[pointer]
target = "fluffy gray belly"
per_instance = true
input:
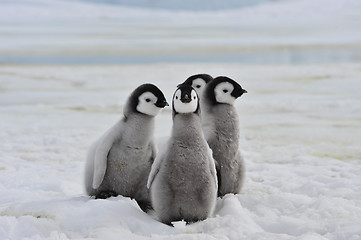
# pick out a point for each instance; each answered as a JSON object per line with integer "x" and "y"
{"x": 187, "y": 175}
{"x": 127, "y": 170}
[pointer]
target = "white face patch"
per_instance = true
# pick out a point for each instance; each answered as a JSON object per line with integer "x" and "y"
{"x": 147, "y": 105}
{"x": 223, "y": 92}
{"x": 181, "y": 107}
{"x": 198, "y": 85}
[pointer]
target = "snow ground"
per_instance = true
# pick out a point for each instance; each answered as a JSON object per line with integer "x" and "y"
{"x": 301, "y": 141}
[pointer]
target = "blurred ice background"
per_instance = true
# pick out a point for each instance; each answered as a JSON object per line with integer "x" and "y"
{"x": 148, "y": 31}
{"x": 66, "y": 68}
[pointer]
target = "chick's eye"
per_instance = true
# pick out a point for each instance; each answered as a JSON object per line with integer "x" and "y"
{"x": 194, "y": 97}
{"x": 225, "y": 90}
{"x": 147, "y": 100}
{"x": 198, "y": 86}
{"x": 176, "y": 97}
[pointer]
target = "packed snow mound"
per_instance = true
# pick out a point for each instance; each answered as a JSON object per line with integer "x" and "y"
{"x": 111, "y": 218}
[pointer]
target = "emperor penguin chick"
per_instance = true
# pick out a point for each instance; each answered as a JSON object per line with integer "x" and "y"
{"x": 221, "y": 129}
{"x": 198, "y": 82}
{"x": 120, "y": 161}
{"x": 183, "y": 182}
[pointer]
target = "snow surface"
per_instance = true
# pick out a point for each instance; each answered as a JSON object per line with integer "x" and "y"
{"x": 301, "y": 141}
{"x": 300, "y": 123}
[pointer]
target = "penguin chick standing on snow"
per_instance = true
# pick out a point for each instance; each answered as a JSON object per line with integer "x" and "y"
{"x": 120, "y": 161}
{"x": 198, "y": 82}
{"x": 183, "y": 182}
{"x": 221, "y": 129}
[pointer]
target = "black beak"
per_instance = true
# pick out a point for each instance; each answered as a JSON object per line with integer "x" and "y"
{"x": 185, "y": 98}
{"x": 238, "y": 93}
{"x": 161, "y": 104}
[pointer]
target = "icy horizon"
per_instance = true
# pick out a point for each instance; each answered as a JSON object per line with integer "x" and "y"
{"x": 183, "y": 5}
{"x": 272, "y": 32}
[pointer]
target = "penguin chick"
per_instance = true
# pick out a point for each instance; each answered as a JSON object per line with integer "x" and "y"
{"x": 221, "y": 129}
{"x": 182, "y": 181}
{"x": 120, "y": 161}
{"x": 198, "y": 82}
